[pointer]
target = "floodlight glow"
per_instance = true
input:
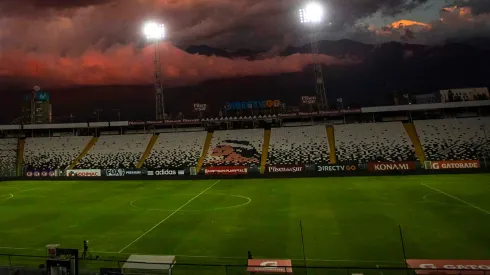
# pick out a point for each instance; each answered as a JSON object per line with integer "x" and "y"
{"x": 154, "y": 31}
{"x": 312, "y": 13}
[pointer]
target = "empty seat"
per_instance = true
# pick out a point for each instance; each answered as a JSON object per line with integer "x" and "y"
{"x": 123, "y": 151}
{"x": 454, "y": 139}
{"x": 176, "y": 150}
{"x": 8, "y": 156}
{"x": 299, "y": 145}
{"x": 373, "y": 142}
{"x": 51, "y": 153}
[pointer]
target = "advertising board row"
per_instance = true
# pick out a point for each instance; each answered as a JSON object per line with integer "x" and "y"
{"x": 269, "y": 169}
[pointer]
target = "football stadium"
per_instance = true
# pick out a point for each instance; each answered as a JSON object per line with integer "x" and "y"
{"x": 317, "y": 193}
{"x": 276, "y": 145}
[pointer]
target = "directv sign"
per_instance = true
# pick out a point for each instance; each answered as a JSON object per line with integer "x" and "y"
{"x": 242, "y": 105}
{"x": 42, "y": 96}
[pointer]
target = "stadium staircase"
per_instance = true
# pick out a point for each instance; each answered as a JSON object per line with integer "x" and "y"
{"x": 265, "y": 150}
{"x": 147, "y": 151}
{"x": 331, "y": 144}
{"x": 414, "y": 137}
{"x": 87, "y": 148}
{"x": 205, "y": 149}
{"x": 20, "y": 155}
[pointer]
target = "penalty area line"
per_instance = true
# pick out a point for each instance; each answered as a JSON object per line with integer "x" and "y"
{"x": 171, "y": 214}
{"x": 458, "y": 199}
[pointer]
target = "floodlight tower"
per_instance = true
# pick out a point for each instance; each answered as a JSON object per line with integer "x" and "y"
{"x": 312, "y": 15}
{"x": 155, "y": 32}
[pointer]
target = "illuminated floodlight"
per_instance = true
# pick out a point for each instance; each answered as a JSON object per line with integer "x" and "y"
{"x": 154, "y": 31}
{"x": 312, "y": 13}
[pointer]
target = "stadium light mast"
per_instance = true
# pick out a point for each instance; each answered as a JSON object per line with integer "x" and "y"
{"x": 312, "y": 15}
{"x": 155, "y": 32}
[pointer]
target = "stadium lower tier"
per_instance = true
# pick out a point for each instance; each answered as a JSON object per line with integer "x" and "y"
{"x": 425, "y": 140}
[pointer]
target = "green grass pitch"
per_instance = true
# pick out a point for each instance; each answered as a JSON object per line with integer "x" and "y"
{"x": 350, "y": 221}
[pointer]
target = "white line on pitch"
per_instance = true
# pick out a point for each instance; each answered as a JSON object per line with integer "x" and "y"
{"x": 171, "y": 214}
{"x": 463, "y": 201}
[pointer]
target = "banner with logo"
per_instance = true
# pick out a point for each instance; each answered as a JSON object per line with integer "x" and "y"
{"x": 226, "y": 170}
{"x": 84, "y": 173}
{"x": 261, "y": 104}
{"x": 308, "y": 99}
{"x": 391, "y": 166}
{"x": 453, "y": 164}
{"x": 136, "y": 172}
{"x": 200, "y": 107}
{"x": 269, "y": 266}
{"x": 114, "y": 172}
{"x": 337, "y": 168}
{"x": 285, "y": 168}
{"x": 42, "y": 173}
{"x": 164, "y": 172}
{"x": 461, "y": 267}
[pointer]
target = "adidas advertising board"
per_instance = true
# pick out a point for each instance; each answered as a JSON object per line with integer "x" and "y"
{"x": 165, "y": 172}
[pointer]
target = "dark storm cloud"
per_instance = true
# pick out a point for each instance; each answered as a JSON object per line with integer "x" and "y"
{"x": 477, "y": 6}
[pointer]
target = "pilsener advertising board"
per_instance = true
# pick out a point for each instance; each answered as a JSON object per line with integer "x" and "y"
{"x": 84, "y": 173}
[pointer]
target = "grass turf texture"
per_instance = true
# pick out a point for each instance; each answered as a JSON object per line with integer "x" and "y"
{"x": 351, "y": 221}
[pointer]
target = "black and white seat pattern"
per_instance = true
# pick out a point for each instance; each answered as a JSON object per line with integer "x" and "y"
{"x": 373, "y": 142}
{"x": 454, "y": 139}
{"x": 299, "y": 145}
{"x": 123, "y": 151}
{"x": 49, "y": 153}
{"x": 176, "y": 150}
{"x": 235, "y": 147}
{"x": 8, "y": 156}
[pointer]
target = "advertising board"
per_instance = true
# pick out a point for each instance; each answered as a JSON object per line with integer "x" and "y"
{"x": 226, "y": 170}
{"x": 84, "y": 173}
{"x": 391, "y": 166}
{"x": 454, "y": 164}
{"x": 308, "y": 99}
{"x": 337, "y": 168}
{"x": 42, "y": 173}
{"x": 114, "y": 172}
{"x": 165, "y": 172}
{"x": 429, "y": 266}
{"x": 136, "y": 172}
{"x": 260, "y": 104}
{"x": 285, "y": 168}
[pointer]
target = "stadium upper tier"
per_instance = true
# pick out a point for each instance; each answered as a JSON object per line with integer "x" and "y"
{"x": 443, "y": 139}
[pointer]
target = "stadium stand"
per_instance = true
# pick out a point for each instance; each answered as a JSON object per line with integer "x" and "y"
{"x": 8, "y": 155}
{"x": 176, "y": 150}
{"x": 454, "y": 139}
{"x": 51, "y": 153}
{"x": 299, "y": 145}
{"x": 122, "y": 151}
{"x": 373, "y": 142}
{"x": 235, "y": 147}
